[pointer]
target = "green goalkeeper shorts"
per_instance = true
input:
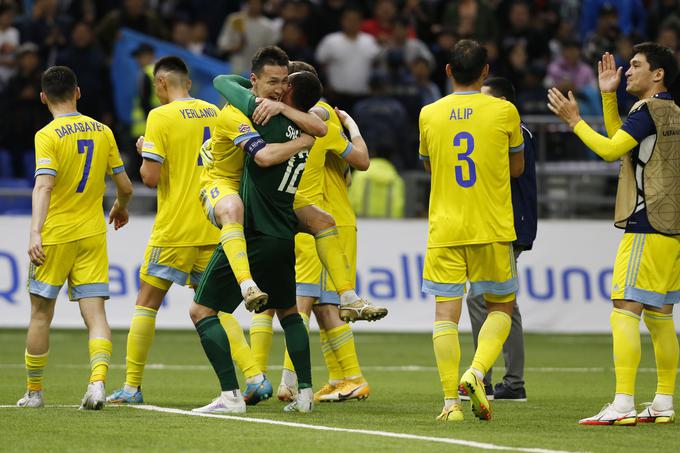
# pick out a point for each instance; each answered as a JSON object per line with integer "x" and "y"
{"x": 272, "y": 264}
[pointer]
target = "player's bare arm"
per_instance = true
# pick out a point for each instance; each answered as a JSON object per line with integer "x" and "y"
{"x": 119, "y": 211}
{"x": 150, "y": 170}
{"x": 516, "y": 164}
{"x": 358, "y": 156}
{"x": 307, "y": 121}
{"x": 42, "y": 193}
{"x": 268, "y": 154}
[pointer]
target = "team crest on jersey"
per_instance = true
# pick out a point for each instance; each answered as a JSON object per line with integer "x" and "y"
{"x": 243, "y": 128}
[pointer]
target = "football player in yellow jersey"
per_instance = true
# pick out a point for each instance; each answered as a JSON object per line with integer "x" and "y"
{"x": 324, "y": 184}
{"x": 182, "y": 240}
{"x": 646, "y": 279}
{"x": 68, "y": 232}
{"x": 471, "y": 143}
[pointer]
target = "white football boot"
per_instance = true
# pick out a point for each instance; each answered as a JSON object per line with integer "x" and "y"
{"x": 95, "y": 396}
{"x": 32, "y": 398}
{"x": 229, "y": 402}
{"x": 651, "y": 415}
{"x": 303, "y": 403}
{"x": 609, "y": 415}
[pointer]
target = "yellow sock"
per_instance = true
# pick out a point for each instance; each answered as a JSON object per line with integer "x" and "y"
{"x": 100, "y": 356}
{"x": 240, "y": 349}
{"x": 234, "y": 245}
{"x": 342, "y": 342}
{"x": 140, "y": 337}
{"x": 334, "y": 259}
{"x": 261, "y": 334}
{"x": 490, "y": 340}
{"x": 626, "y": 336}
{"x": 447, "y": 354}
{"x": 35, "y": 366}
{"x": 287, "y": 363}
{"x": 335, "y": 373}
{"x": 666, "y": 349}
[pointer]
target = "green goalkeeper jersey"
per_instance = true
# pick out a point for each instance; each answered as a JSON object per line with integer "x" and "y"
{"x": 267, "y": 192}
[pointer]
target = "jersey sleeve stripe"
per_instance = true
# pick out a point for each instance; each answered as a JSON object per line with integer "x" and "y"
{"x": 423, "y": 157}
{"x": 244, "y": 137}
{"x": 152, "y": 156}
{"x": 347, "y": 150}
{"x": 516, "y": 149}
{"x": 117, "y": 170}
{"x": 45, "y": 171}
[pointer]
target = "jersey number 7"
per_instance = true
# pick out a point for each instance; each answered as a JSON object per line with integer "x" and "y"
{"x": 465, "y": 158}
{"x": 85, "y": 146}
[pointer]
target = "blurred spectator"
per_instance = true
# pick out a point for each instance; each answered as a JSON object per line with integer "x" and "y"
{"x": 668, "y": 34}
{"x": 9, "y": 40}
{"x": 406, "y": 47}
{"x": 515, "y": 62}
{"x": 378, "y": 191}
{"x": 134, "y": 15}
{"x": 47, "y": 28}
{"x": 428, "y": 91}
{"x": 293, "y": 43}
{"x": 445, "y": 41}
{"x": 198, "y": 41}
{"x": 471, "y": 19}
{"x": 244, "y": 33}
{"x": 661, "y": 11}
{"x": 181, "y": 33}
{"x": 570, "y": 73}
{"x": 27, "y": 112}
{"x": 605, "y": 36}
{"x": 146, "y": 98}
{"x": 520, "y": 29}
{"x": 89, "y": 64}
{"x": 347, "y": 57}
{"x": 384, "y": 122}
{"x": 631, "y": 15}
{"x": 419, "y": 14}
{"x": 330, "y": 13}
{"x": 381, "y": 25}
{"x": 531, "y": 99}
{"x": 623, "y": 55}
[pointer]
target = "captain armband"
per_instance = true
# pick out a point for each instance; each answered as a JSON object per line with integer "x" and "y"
{"x": 254, "y": 145}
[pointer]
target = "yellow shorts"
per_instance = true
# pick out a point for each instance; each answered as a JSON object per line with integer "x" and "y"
{"x": 490, "y": 268}
{"x": 312, "y": 279}
{"x": 85, "y": 263}
{"x": 214, "y": 192}
{"x": 164, "y": 266}
{"x": 647, "y": 269}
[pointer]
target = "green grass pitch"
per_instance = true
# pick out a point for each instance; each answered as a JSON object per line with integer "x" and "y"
{"x": 568, "y": 377}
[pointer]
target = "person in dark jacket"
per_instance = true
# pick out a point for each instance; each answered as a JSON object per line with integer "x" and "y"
{"x": 524, "y": 204}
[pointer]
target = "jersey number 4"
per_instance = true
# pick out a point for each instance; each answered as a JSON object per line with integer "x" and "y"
{"x": 465, "y": 160}
{"x": 87, "y": 147}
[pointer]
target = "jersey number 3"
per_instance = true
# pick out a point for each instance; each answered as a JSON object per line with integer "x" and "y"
{"x": 464, "y": 158}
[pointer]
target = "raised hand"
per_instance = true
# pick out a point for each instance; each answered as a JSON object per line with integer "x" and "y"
{"x": 565, "y": 108}
{"x": 608, "y": 76}
{"x": 266, "y": 109}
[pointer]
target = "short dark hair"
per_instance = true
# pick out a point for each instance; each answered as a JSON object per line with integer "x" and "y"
{"x": 297, "y": 66}
{"x": 501, "y": 87}
{"x": 271, "y": 55}
{"x": 659, "y": 57}
{"x": 171, "y": 63}
{"x": 307, "y": 89}
{"x": 467, "y": 60}
{"x": 58, "y": 83}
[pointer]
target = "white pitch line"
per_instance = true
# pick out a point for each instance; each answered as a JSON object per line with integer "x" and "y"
{"x": 14, "y": 406}
{"x": 396, "y": 368}
{"x": 443, "y": 440}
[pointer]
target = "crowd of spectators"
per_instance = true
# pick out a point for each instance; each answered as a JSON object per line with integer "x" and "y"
{"x": 381, "y": 59}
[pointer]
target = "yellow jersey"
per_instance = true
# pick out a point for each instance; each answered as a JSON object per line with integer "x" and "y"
{"x": 174, "y": 135}
{"x": 78, "y": 151}
{"x": 335, "y": 193}
{"x": 231, "y": 129}
{"x": 317, "y": 175}
{"x": 467, "y": 137}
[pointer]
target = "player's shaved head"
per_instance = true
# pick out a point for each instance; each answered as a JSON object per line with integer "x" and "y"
{"x": 59, "y": 84}
{"x": 500, "y": 87}
{"x": 467, "y": 60}
{"x": 172, "y": 67}
{"x": 297, "y": 66}
{"x": 306, "y": 89}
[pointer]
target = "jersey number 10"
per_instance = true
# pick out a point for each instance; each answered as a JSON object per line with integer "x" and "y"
{"x": 464, "y": 158}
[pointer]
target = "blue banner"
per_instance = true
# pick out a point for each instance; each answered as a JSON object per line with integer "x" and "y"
{"x": 125, "y": 71}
